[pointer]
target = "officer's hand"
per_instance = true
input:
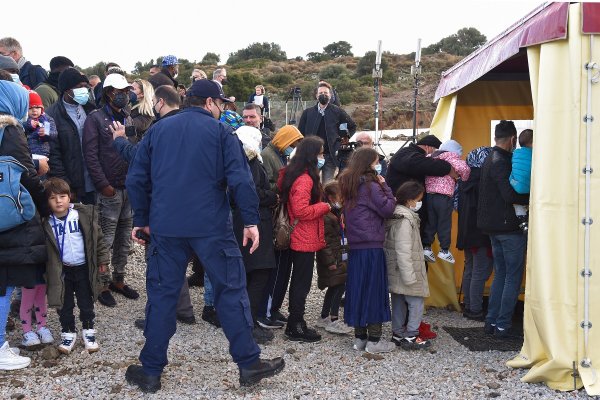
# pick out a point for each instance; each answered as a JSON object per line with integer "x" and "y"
{"x": 252, "y": 234}
{"x": 145, "y": 229}
{"x": 117, "y": 129}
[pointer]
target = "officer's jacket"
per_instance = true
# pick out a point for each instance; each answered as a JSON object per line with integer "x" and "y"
{"x": 185, "y": 164}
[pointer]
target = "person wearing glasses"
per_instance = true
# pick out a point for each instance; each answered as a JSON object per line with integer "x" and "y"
{"x": 364, "y": 139}
{"x": 29, "y": 74}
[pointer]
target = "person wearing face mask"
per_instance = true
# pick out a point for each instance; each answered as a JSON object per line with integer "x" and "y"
{"x": 406, "y": 272}
{"x": 220, "y": 78}
{"x": 48, "y": 90}
{"x": 66, "y": 154}
{"x": 326, "y": 121}
{"x": 182, "y": 202}
{"x": 142, "y": 114}
{"x": 108, "y": 171}
{"x": 496, "y": 217}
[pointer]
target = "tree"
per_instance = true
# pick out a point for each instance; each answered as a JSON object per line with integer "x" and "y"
{"x": 461, "y": 43}
{"x": 367, "y": 63}
{"x": 270, "y": 51}
{"x": 317, "y": 57}
{"x": 211, "y": 59}
{"x": 241, "y": 84}
{"x": 338, "y": 49}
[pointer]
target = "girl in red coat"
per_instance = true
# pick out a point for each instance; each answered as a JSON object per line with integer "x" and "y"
{"x": 300, "y": 189}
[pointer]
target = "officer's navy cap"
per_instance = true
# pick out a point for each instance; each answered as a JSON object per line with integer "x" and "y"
{"x": 206, "y": 88}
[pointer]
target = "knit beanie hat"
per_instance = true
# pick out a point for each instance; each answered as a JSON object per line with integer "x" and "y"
{"x": 430, "y": 140}
{"x": 35, "y": 100}
{"x": 285, "y": 136}
{"x": 70, "y": 78}
{"x": 452, "y": 146}
{"x": 60, "y": 61}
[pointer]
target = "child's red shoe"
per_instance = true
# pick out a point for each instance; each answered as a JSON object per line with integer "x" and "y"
{"x": 425, "y": 331}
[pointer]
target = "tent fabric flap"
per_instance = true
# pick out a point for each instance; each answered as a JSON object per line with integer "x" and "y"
{"x": 546, "y": 23}
{"x": 591, "y": 18}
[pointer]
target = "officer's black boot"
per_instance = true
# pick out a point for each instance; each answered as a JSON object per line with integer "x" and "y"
{"x": 259, "y": 370}
{"x": 135, "y": 376}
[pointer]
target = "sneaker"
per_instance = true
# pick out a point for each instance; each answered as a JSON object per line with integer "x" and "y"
{"x": 379, "y": 347}
{"x": 446, "y": 256}
{"x": 425, "y": 331}
{"x": 124, "y": 290}
{"x": 323, "y": 322}
{"x": 106, "y": 298}
{"x": 269, "y": 323}
{"x": 359, "y": 344}
{"x": 339, "y": 327}
{"x": 10, "y": 360}
{"x": 428, "y": 254}
{"x": 31, "y": 341}
{"x": 45, "y": 335}
{"x": 67, "y": 342}
{"x": 489, "y": 328}
{"x": 414, "y": 343}
{"x": 209, "y": 314}
{"x": 277, "y": 316}
{"x": 299, "y": 332}
{"x": 262, "y": 335}
{"x": 89, "y": 340}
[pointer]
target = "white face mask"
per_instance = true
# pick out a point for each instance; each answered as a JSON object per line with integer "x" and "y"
{"x": 417, "y": 206}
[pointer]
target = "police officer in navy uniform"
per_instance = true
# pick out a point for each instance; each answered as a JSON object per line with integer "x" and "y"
{"x": 188, "y": 164}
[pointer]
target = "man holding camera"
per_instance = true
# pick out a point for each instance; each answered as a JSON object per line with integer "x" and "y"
{"x": 327, "y": 121}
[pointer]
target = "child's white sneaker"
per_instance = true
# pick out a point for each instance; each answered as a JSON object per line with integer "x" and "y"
{"x": 359, "y": 344}
{"x": 338, "y": 327}
{"x": 323, "y": 322}
{"x": 10, "y": 360}
{"x": 30, "y": 340}
{"x": 45, "y": 335}
{"x": 89, "y": 340}
{"x": 67, "y": 342}
{"x": 446, "y": 256}
{"x": 428, "y": 254}
{"x": 380, "y": 347}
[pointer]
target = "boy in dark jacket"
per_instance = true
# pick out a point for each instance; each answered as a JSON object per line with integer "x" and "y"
{"x": 331, "y": 264}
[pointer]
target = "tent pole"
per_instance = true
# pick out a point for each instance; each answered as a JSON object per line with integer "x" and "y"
{"x": 591, "y": 68}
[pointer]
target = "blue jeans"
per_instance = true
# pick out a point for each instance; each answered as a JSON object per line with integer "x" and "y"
{"x": 209, "y": 293}
{"x": 4, "y": 311}
{"x": 509, "y": 255}
{"x": 478, "y": 268}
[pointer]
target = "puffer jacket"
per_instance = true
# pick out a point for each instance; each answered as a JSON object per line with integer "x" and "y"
{"x": 309, "y": 233}
{"x": 331, "y": 254}
{"x": 446, "y": 184}
{"x": 96, "y": 254}
{"x": 404, "y": 254}
{"x": 105, "y": 165}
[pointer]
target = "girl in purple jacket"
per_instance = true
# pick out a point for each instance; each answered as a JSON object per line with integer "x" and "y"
{"x": 367, "y": 202}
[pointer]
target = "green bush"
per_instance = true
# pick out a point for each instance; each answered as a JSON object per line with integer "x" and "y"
{"x": 241, "y": 84}
{"x": 281, "y": 79}
{"x": 333, "y": 71}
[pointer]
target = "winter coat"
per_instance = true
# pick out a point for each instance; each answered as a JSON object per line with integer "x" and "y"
{"x": 412, "y": 162}
{"x": 32, "y": 75}
{"x": 66, "y": 155}
{"x": 39, "y": 144}
{"x": 105, "y": 165}
{"x": 520, "y": 175}
{"x": 334, "y": 116}
{"x": 264, "y": 256}
{"x": 365, "y": 219}
{"x": 96, "y": 254}
{"x": 468, "y": 234}
{"x": 309, "y": 233}
{"x": 272, "y": 162}
{"x": 23, "y": 247}
{"x": 265, "y": 102}
{"x": 496, "y": 214}
{"x": 446, "y": 184}
{"x": 331, "y": 254}
{"x": 404, "y": 254}
{"x": 140, "y": 122}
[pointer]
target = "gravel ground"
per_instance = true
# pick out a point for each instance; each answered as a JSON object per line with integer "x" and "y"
{"x": 201, "y": 368}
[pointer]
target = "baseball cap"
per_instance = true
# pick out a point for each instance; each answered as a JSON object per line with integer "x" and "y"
{"x": 117, "y": 81}
{"x": 206, "y": 88}
{"x": 169, "y": 60}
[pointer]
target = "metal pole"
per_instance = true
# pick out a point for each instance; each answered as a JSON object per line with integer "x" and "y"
{"x": 416, "y": 71}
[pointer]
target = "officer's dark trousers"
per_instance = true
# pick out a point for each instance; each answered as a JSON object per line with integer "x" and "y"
{"x": 167, "y": 262}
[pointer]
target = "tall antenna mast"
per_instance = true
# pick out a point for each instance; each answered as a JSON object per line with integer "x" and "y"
{"x": 377, "y": 75}
{"x": 415, "y": 71}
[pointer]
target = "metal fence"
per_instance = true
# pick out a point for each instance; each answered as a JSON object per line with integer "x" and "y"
{"x": 281, "y": 111}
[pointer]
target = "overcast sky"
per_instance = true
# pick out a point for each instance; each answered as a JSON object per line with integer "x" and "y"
{"x": 128, "y": 31}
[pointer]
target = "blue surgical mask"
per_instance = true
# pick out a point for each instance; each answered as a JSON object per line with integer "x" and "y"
{"x": 15, "y": 78}
{"x": 320, "y": 162}
{"x": 81, "y": 95}
{"x": 288, "y": 151}
{"x": 378, "y": 169}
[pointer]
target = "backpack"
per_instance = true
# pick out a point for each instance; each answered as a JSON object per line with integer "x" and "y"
{"x": 282, "y": 230}
{"x": 16, "y": 204}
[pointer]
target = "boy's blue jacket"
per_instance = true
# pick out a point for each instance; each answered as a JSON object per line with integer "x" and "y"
{"x": 179, "y": 179}
{"x": 520, "y": 177}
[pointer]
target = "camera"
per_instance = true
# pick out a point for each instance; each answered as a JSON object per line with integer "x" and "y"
{"x": 345, "y": 150}
{"x": 295, "y": 92}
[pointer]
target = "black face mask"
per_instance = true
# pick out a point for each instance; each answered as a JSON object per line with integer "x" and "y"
{"x": 224, "y": 81}
{"x": 120, "y": 100}
{"x": 323, "y": 99}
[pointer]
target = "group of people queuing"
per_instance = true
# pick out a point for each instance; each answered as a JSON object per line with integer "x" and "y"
{"x": 181, "y": 173}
